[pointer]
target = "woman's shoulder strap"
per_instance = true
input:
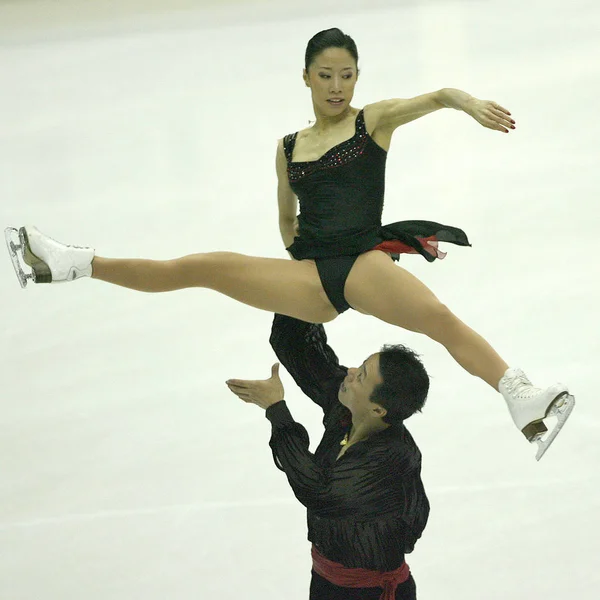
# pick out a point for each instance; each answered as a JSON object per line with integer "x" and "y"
{"x": 289, "y": 141}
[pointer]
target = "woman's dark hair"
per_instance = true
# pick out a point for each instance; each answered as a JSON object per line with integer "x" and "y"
{"x": 329, "y": 38}
{"x": 405, "y": 383}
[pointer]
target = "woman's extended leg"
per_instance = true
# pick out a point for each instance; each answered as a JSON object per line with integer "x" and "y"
{"x": 288, "y": 287}
{"x": 378, "y": 287}
{"x": 277, "y": 285}
{"x": 389, "y": 292}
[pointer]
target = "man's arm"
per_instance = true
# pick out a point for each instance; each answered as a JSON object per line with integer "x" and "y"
{"x": 303, "y": 350}
{"x": 374, "y": 482}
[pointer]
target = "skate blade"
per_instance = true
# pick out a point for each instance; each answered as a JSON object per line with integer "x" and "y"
{"x": 15, "y": 245}
{"x": 561, "y": 408}
{"x": 40, "y": 270}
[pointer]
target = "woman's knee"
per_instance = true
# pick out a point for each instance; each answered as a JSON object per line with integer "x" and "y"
{"x": 203, "y": 269}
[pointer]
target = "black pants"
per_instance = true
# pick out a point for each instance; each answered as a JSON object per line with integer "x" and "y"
{"x": 321, "y": 589}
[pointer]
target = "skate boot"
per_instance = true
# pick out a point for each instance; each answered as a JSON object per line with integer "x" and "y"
{"x": 529, "y": 406}
{"x": 50, "y": 261}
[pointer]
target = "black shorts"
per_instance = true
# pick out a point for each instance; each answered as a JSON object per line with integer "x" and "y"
{"x": 321, "y": 589}
{"x": 333, "y": 273}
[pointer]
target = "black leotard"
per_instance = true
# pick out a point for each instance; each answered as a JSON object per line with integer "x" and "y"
{"x": 341, "y": 202}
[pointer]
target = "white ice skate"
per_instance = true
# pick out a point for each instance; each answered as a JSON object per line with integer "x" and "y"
{"x": 529, "y": 406}
{"x": 50, "y": 261}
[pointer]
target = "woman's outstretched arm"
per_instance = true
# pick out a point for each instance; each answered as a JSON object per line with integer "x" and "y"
{"x": 387, "y": 115}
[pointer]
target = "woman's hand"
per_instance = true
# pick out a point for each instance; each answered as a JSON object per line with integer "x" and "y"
{"x": 490, "y": 114}
{"x": 263, "y": 393}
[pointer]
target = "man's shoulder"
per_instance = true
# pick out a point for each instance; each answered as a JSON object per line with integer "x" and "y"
{"x": 401, "y": 446}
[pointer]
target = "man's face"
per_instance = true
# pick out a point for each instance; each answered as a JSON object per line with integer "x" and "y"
{"x": 357, "y": 387}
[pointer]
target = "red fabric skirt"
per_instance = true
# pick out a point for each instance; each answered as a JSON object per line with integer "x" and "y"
{"x": 429, "y": 245}
{"x": 411, "y": 237}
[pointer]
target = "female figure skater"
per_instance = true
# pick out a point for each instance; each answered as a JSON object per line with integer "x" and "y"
{"x": 343, "y": 256}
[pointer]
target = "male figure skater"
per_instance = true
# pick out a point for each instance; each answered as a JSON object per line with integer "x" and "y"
{"x": 362, "y": 487}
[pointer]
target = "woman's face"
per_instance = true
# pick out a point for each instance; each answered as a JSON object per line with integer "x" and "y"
{"x": 331, "y": 78}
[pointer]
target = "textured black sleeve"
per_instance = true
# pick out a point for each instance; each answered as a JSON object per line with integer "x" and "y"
{"x": 372, "y": 484}
{"x": 303, "y": 350}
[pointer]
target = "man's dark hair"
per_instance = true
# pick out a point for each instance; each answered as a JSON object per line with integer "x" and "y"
{"x": 329, "y": 38}
{"x": 405, "y": 383}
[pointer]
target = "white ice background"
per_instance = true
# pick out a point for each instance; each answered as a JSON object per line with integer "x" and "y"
{"x": 127, "y": 469}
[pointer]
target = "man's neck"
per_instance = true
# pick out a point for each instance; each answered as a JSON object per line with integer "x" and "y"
{"x": 361, "y": 430}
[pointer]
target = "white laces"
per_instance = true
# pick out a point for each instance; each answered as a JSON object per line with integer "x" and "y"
{"x": 519, "y": 386}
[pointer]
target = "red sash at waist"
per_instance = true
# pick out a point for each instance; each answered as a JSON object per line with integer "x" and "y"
{"x": 360, "y": 578}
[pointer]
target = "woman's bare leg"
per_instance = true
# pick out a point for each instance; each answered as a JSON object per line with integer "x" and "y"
{"x": 276, "y": 285}
{"x": 389, "y": 292}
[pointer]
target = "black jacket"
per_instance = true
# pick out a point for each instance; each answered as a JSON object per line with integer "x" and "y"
{"x": 368, "y": 508}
